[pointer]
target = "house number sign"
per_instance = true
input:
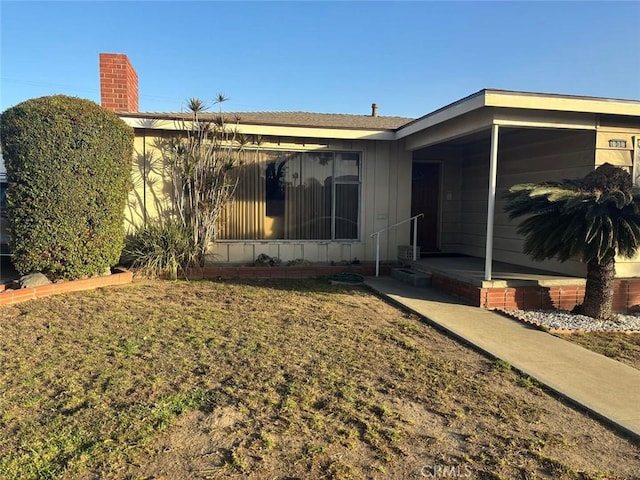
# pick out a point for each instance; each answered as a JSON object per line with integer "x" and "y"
{"x": 616, "y": 143}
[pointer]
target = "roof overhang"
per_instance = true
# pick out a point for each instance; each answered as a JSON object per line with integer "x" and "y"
{"x": 527, "y": 109}
{"x": 560, "y": 103}
{"x": 150, "y": 123}
{"x": 468, "y": 115}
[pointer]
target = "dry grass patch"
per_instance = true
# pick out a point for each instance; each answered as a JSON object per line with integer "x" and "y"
{"x": 273, "y": 379}
{"x": 624, "y": 347}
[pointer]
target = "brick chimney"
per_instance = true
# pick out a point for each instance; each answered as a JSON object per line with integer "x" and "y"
{"x": 118, "y": 83}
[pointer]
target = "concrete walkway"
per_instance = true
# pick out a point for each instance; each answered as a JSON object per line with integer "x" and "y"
{"x": 607, "y": 388}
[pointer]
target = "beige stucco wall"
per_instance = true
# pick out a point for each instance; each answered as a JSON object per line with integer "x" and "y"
{"x": 385, "y": 199}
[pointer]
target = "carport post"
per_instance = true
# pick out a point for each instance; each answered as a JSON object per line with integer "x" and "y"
{"x": 493, "y": 173}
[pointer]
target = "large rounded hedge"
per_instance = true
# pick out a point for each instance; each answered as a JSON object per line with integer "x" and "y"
{"x": 68, "y": 164}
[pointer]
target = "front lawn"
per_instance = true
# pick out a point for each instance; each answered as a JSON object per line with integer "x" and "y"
{"x": 624, "y": 347}
{"x": 272, "y": 379}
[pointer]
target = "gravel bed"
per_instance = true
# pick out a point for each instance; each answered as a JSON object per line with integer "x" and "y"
{"x": 563, "y": 320}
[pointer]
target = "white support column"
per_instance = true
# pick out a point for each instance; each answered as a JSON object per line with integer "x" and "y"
{"x": 493, "y": 175}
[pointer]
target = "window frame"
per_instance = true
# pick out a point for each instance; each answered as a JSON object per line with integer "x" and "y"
{"x": 334, "y": 183}
{"x": 358, "y": 182}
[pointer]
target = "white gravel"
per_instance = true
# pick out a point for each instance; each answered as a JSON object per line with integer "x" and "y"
{"x": 563, "y": 320}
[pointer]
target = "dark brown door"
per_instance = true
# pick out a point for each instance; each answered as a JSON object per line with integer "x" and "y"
{"x": 425, "y": 197}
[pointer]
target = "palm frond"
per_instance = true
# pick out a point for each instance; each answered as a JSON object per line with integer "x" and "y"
{"x": 578, "y": 218}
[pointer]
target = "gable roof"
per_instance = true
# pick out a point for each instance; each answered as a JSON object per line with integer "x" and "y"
{"x": 525, "y": 101}
{"x": 289, "y": 119}
{"x": 567, "y": 108}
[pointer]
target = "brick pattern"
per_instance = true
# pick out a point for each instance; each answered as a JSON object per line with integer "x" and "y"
{"x": 8, "y": 296}
{"x": 118, "y": 83}
{"x": 626, "y": 296}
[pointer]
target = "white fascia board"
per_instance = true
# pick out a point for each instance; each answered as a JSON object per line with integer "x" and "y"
{"x": 443, "y": 115}
{"x": 561, "y": 103}
{"x": 544, "y": 119}
{"x": 468, "y": 124}
{"x": 269, "y": 130}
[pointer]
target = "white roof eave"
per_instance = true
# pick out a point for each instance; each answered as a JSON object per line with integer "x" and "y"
{"x": 499, "y": 99}
{"x": 268, "y": 130}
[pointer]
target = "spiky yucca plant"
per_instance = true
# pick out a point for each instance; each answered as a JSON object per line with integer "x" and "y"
{"x": 592, "y": 219}
{"x": 201, "y": 158}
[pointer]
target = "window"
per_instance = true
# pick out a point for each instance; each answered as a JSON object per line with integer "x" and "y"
{"x": 295, "y": 196}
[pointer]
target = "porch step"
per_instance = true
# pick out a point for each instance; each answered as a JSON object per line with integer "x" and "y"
{"x": 411, "y": 277}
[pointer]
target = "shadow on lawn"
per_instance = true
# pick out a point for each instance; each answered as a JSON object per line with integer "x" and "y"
{"x": 311, "y": 285}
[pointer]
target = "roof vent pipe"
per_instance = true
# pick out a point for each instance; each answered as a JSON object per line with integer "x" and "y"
{"x": 374, "y": 109}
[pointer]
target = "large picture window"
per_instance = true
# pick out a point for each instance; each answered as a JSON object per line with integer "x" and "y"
{"x": 295, "y": 196}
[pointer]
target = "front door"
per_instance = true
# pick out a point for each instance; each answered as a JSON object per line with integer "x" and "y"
{"x": 425, "y": 198}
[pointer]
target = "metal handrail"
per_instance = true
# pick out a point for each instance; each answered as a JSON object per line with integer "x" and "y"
{"x": 415, "y": 238}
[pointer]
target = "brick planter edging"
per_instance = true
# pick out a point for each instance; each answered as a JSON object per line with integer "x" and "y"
{"x": 626, "y": 295}
{"x": 10, "y": 296}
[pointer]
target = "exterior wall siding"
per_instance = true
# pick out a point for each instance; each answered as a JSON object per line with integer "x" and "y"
{"x": 451, "y": 202}
{"x": 384, "y": 200}
{"x": 524, "y": 156}
{"x": 622, "y": 157}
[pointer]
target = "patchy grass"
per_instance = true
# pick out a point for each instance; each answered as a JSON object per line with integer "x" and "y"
{"x": 277, "y": 379}
{"x": 624, "y": 347}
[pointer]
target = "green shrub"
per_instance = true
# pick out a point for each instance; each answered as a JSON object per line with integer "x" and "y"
{"x": 161, "y": 247}
{"x": 68, "y": 165}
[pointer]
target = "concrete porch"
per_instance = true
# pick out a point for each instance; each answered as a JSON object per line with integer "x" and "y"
{"x": 514, "y": 286}
{"x": 470, "y": 270}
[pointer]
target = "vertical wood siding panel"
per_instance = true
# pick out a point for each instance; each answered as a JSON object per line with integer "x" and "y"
{"x": 382, "y": 197}
{"x": 368, "y": 197}
{"x": 524, "y": 156}
{"x": 393, "y": 158}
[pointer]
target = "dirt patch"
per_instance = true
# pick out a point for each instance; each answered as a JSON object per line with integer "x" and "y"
{"x": 272, "y": 379}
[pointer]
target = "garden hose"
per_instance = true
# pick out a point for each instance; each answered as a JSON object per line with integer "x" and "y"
{"x": 347, "y": 278}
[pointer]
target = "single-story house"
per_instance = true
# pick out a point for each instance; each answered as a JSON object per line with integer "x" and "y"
{"x": 349, "y": 176}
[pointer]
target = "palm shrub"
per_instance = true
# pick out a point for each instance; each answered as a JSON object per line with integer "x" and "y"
{"x": 163, "y": 246}
{"x": 201, "y": 159}
{"x": 68, "y": 165}
{"x": 593, "y": 219}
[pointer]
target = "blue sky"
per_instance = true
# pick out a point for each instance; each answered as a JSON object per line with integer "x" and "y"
{"x": 409, "y": 57}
